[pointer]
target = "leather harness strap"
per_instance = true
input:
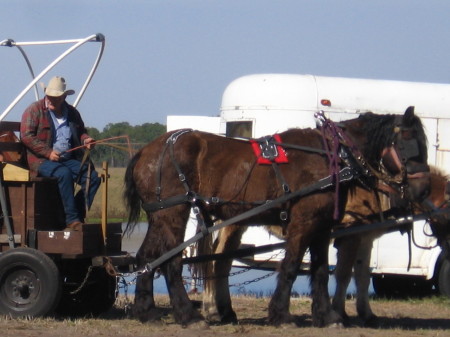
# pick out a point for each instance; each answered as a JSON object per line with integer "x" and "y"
{"x": 346, "y": 174}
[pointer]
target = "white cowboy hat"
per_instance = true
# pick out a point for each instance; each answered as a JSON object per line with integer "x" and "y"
{"x": 57, "y": 87}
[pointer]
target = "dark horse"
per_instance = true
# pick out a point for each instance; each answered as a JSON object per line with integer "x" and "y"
{"x": 221, "y": 179}
{"x": 354, "y": 251}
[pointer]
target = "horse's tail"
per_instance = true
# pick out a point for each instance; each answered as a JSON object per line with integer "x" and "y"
{"x": 131, "y": 195}
{"x": 205, "y": 270}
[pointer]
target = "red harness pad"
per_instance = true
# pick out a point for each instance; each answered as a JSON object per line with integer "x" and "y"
{"x": 259, "y": 147}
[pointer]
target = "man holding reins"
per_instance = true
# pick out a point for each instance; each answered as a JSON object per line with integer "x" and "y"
{"x": 49, "y": 129}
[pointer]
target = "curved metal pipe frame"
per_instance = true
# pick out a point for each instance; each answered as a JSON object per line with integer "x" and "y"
{"x": 76, "y": 44}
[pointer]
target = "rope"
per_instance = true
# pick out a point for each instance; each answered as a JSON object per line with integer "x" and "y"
{"x": 101, "y": 141}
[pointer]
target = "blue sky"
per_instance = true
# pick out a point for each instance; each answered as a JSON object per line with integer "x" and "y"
{"x": 175, "y": 57}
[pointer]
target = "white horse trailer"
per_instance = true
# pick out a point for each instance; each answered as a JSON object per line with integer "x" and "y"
{"x": 263, "y": 104}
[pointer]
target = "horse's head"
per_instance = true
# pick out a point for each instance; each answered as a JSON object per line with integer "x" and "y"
{"x": 438, "y": 199}
{"x": 396, "y": 147}
{"x": 407, "y": 156}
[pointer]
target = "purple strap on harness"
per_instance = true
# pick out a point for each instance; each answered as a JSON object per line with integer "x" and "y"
{"x": 331, "y": 133}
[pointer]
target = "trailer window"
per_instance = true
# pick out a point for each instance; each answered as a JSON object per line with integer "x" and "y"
{"x": 239, "y": 129}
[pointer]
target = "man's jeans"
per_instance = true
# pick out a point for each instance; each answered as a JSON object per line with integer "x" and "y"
{"x": 67, "y": 172}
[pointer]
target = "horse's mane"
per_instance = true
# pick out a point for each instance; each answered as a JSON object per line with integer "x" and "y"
{"x": 380, "y": 133}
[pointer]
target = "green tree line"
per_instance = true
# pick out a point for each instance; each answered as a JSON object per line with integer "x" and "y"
{"x": 118, "y": 141}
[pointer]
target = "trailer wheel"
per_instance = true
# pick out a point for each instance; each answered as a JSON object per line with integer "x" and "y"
{"x": 30, "y": 284}
{"x": 444, "y": 278}
{"x": 86, "y": 296}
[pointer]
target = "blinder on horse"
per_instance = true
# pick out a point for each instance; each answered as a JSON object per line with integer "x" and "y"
{"x": 409, "y": 152}
{"x": 404, "y": 157}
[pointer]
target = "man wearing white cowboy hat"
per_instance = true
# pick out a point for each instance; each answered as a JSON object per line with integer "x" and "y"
{"x": 49, "y": 129}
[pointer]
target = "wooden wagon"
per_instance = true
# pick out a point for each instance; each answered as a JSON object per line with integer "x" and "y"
{"x": 42, "y": 267}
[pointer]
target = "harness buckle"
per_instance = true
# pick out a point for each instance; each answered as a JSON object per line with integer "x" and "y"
{"x": 182, "y": 177}
{"x": 191, "y": 196}
{"x": 214, "y": 200}
{"x": 283, "y": 215}
{"x": 195, "y": 210}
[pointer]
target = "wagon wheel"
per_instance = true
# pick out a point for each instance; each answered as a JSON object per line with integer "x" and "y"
{"x": 87, "y": 291}
{"x": 30, "y": 284}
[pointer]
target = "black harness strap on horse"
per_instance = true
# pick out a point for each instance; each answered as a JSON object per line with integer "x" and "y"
{"x": 346, "y": 174}
{"x": 270, "y": 152}
{"x": 169, "y": 144}
{"x": 189, "y": 197}
{"x": 168, "y": 202}
{"x": 181, "y": 175}
{"x": 284, "y": 213}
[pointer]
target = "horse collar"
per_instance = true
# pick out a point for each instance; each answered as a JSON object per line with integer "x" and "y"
{"x": 174, "y": 136}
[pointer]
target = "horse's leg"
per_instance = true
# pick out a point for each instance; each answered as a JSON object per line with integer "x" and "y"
{"x": 172, "y": 230}
{"x": 144, "y": 302}
{"x": 183, "y": 309}
{"x": 289, "y": 268}
{"x": 166, "y": 231}
{"x": 346, "y": 255}
{"x": 362, "y": 280}
{"x": 217, "y": 299}
{"x": 322, "y": 313}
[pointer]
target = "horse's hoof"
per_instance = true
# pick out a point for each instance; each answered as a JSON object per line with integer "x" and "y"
{"x": 198, "y": 325}
{"x": 332, "y": 320}
{"x": 211, "y": 318}
{"x": 371, "y": 321}
{"x": 229, "y": 319}
{"x": 190, "y": 318}
{"x": 290, "y": 325}
{"x": 223, "y": 319}
{"x": 150, "y": 315}
{"x": 280, "y": 319}
{"x": 345, "y": 320}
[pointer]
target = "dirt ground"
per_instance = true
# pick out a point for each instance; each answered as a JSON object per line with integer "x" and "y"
{"x": 422, "y": 317}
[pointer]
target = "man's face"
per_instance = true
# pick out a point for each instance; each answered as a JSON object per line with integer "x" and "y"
{"x": 54, "y": 103}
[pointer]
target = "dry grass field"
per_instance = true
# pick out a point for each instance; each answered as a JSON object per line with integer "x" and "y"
{"x": 116, "y": 206}
{"x": 426, "y": 317}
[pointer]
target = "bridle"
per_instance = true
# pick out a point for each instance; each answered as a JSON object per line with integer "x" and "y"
{"x": 395, "y": 171}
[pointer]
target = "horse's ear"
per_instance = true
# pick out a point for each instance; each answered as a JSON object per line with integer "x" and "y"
{"x": 409, "y": 111}
{"x": 408, "y": 117}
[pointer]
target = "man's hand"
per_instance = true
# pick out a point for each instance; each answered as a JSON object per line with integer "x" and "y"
{"x": 54, "y": 156}
{"x": 88, "y": 142}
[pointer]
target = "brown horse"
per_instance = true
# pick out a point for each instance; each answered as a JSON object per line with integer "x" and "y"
{"x": 219, "y": 178}
{"x": 354, "y": 251}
